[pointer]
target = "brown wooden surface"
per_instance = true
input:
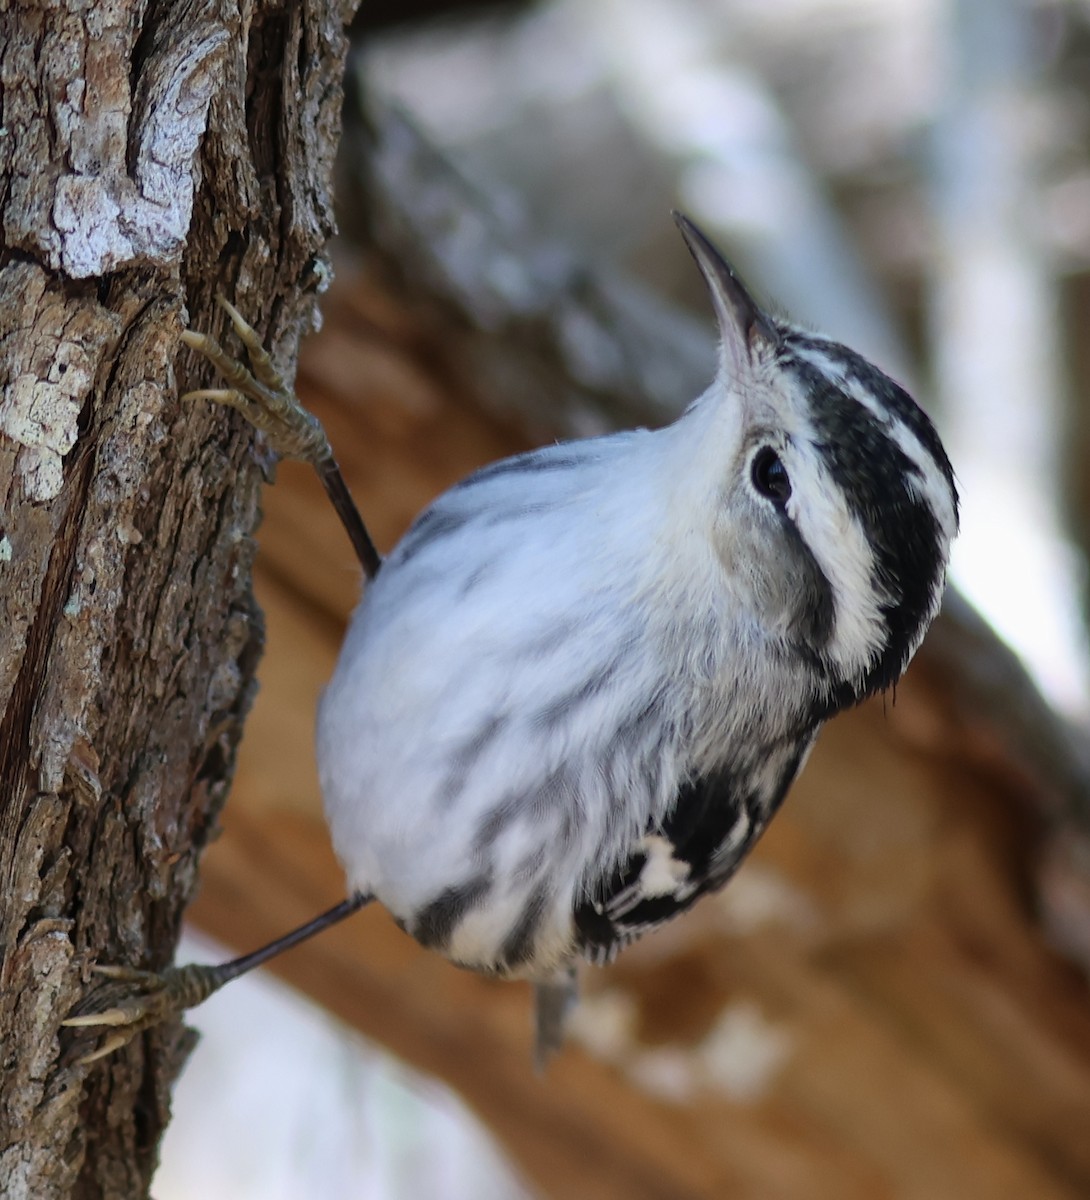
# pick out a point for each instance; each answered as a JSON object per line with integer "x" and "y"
{"x": 924, "y": 1040}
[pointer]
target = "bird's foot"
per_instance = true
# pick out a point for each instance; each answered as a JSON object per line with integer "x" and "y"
{"x": 259, "y": 393}
{"x": 130, "y": 1001}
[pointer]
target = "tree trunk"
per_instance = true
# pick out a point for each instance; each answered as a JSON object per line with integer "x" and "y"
{"x": 150, "y": 156}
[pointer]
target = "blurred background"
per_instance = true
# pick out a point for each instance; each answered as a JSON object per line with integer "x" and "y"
{"x": 909, "y": 176}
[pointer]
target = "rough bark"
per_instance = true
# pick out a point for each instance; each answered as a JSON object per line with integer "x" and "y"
{"x": 150, "y": 155}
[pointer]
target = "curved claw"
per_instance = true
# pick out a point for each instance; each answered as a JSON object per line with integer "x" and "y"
{"x": 271, "y": 406}
{"x": 259, "y": 393}
{"x": 141, "y": 1000}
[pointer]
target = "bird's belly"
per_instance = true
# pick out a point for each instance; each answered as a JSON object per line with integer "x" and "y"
{"x": 507, "y": 909}
{"x": 478, "y": 822}
{"x": 490, "y": 879}
{"x": 518, "y": 935}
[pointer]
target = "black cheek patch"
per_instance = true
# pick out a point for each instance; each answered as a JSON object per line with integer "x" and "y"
{"x": 814, "y": 617}
{"x": 874, "y": 474}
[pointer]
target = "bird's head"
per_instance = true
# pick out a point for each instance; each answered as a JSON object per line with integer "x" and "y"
{"x": 834, "y": 501}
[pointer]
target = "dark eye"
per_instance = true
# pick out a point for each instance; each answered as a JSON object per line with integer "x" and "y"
{"x": 770, "y": 476}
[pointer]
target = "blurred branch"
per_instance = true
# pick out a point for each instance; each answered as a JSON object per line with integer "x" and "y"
{"x": 993, "y": 694}
{"x": 743, "y": 174}
{"x": 996, "y": 337}
{"x": 533, "y": 332}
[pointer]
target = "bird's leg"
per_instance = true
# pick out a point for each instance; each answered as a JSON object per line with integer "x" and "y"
{"x": 131, "y": 1000}
{"x": 259, "y": 393}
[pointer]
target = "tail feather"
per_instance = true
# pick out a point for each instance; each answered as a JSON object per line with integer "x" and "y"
{"x": 552, "y": 1003}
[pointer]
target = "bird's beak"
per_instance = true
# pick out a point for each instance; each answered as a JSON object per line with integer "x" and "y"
{"x": 744, "y": 327}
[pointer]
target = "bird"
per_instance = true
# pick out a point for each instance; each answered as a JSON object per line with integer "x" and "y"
{"x": 579, "y": 688}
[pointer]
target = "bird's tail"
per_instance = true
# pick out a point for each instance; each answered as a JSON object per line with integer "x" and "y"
{"x": 553, "y": 1001}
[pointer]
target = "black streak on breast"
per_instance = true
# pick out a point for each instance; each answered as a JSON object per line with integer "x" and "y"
{"x": 435, "y": 923}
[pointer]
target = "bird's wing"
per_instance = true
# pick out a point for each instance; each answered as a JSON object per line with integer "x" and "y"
{"x": 710, "y": 829}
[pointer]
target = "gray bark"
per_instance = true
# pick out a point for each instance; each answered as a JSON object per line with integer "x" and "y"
{"x": 149, "y": 157}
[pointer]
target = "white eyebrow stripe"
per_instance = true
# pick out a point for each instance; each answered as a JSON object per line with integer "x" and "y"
{"x": 927, "y": 484}
{"x": 836, "y": 538}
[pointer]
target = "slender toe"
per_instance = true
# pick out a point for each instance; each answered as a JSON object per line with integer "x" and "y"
{"x": 114, "y": 1042}
{"x": 109, "y": 1016}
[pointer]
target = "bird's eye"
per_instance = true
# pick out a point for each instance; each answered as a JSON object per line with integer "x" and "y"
{"x": 770, "y": 476}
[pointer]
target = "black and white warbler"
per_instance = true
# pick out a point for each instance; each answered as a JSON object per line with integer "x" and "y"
{"x": 577, "y": 691}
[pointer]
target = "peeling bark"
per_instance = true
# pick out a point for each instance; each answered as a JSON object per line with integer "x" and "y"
{"x": 150, "y": 155}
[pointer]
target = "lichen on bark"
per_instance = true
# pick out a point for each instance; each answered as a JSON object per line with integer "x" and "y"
{"x": 150, "y": 156}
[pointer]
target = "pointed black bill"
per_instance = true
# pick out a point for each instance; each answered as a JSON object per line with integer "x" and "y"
{"x": 741, "y": 321}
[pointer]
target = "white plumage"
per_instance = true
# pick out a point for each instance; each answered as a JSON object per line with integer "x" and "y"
{"x": 458, "y": 697}
{"x": 578, "y": 689}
